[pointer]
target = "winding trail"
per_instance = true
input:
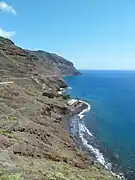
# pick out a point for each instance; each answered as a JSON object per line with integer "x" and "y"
{"x": 8, "y": 82}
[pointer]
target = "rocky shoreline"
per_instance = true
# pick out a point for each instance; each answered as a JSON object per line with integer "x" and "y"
{"x": 76, "y": 117}
{"x": 75, "y": 108}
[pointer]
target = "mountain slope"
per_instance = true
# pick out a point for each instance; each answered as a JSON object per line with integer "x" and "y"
{"x": 58, "y": 64}
{"x": 19, "y": 62}
{"x": 34, "y": 142}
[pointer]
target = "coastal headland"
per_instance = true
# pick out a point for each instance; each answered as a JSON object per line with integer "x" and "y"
{"x": 34, "y": 141}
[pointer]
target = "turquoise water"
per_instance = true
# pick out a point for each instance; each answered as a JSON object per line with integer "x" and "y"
{"x": 112, "y": 116}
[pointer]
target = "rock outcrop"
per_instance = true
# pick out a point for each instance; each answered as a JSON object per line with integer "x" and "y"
{"x": 17, "y": 61}
{"x": 57, "y": 63}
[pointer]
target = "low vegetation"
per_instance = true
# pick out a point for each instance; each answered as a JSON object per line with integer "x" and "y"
{"x": 66, "y": 97}
{"x": 16, "y": 176}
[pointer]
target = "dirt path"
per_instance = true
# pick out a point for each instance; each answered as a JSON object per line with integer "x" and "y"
{"x": 9, "y": 82}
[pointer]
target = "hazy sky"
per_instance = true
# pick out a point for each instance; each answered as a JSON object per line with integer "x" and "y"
{"x": 94, "y": 34}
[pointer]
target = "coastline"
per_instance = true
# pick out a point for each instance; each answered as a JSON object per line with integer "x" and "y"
{"x": 34, "y": 141}
{"x": 83, "y": 129}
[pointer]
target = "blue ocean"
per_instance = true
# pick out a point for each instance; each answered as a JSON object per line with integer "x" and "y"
{"x": 109, "y": 127}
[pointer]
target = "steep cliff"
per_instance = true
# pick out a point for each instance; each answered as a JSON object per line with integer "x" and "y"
{"x": 19, "y": 62}
{"x": 57, "y": 63}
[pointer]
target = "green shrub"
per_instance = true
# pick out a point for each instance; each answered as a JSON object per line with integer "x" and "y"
{"x": 16, "y": 176}
{"x": 66, "y": 97}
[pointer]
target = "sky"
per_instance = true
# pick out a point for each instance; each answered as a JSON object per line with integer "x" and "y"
{"x": 93, "y": 34}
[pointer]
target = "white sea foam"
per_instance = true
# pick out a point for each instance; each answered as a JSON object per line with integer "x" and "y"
{"x": 69, "y": 88}
{"x": 81, "y": 114}
{"x": 99, "y": 156}
{"x": 83, "y": 128}
{"x": 96, "y": 152}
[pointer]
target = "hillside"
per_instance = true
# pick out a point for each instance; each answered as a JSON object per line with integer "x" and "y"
{"x": 34, "y": 142}
{"x": 19, "y": 62}
{"x": 56, "y": 63}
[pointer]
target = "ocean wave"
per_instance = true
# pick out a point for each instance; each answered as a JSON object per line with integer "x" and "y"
{"x": 81, "y": 114}
{"x": 98, "y": 155}
{"x": 83, "y": 128}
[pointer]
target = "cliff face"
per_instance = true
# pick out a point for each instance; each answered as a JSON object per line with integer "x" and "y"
{"x": 17, "y": 61}
{"x": 57, "y": 63}
{"x": 34, "y": 143}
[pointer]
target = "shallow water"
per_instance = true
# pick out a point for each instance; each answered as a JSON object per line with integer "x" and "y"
{"x": 112, "y": 117}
